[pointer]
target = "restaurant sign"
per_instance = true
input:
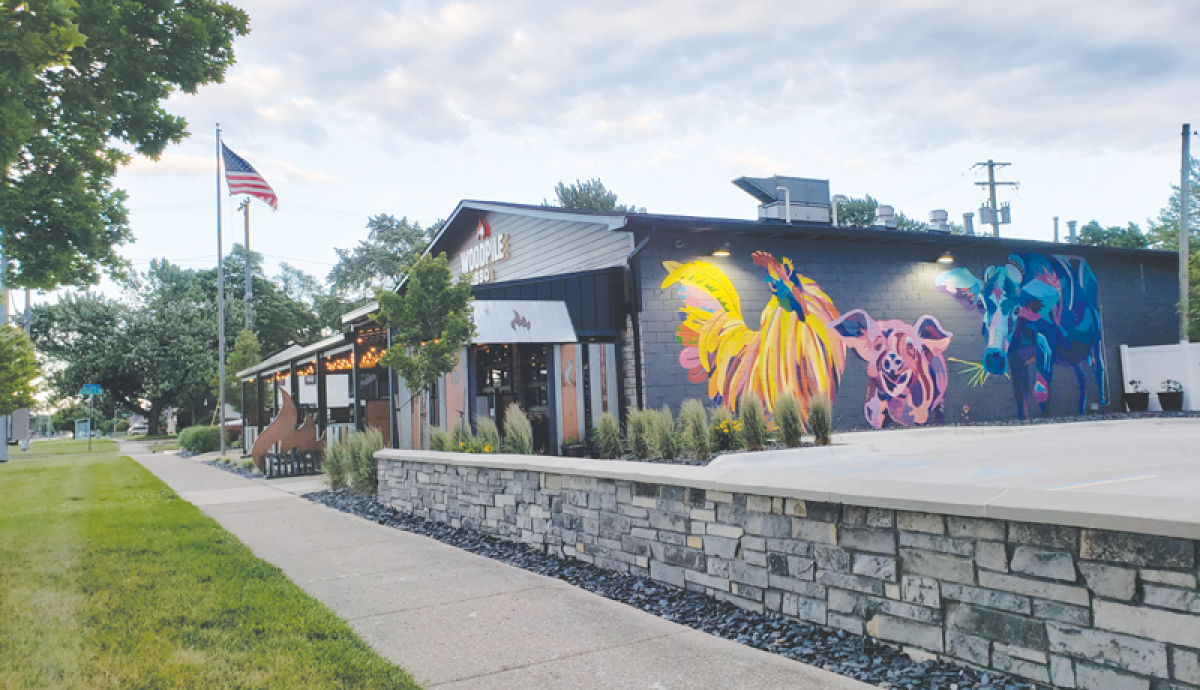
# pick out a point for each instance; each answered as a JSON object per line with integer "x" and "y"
{"x": 477, "y": 260}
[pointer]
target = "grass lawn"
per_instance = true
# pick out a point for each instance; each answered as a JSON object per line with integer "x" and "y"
{"x": 108, "y": 579}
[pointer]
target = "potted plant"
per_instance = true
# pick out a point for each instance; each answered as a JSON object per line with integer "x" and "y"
{"x": 572, "y": 448}
{"x": 1171, "y": 396}
{"x": 1139, "y": 399}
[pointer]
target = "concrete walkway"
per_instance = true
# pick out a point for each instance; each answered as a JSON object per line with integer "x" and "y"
{"x": 457, "y": 620}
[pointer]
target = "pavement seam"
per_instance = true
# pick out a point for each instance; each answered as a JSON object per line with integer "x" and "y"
{"x": 556, "y": 583}
{"x": 557, "y": 659}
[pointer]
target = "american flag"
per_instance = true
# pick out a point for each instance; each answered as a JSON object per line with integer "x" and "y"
{"x": 244, "y": 179}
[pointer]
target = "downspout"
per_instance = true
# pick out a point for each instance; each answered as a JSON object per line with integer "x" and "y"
{"x": 635, "y": 313}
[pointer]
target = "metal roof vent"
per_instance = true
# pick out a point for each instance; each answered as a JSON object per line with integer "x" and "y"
{"x": 939, "y": 222}
{"x": 885, "y": 217}
{"x": 794, "y": 199}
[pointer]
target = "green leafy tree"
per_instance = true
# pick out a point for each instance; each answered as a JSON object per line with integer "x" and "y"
{"x": 860, "y": 213}
{"x": 1129, "y": 237}
{"x": 245, "y": 354}
{"x": 18, "y": 368}
{"x": 63, "y": 419}
{"x": 157, "y": 350}
{"x": 589, "y": 196}
{"x": 1163, "y": 233}
{"x": 379, "y": 262}
{"x": 80, "y": 78}
{"x": 432, "y": 322}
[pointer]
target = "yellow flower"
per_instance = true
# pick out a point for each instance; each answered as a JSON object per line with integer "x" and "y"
{"x": 487, "y": 448}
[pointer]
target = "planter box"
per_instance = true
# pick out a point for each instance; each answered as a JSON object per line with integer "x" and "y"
{"x": 1171, "y": 401}
{"x": 575, "y": 450}
{"x": 1137, "y": 402}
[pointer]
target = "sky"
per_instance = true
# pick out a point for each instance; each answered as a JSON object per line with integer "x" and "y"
{"x": 356, "y": 109}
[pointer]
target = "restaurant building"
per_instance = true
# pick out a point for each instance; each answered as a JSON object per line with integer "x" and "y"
{"x": 581, "y": 313}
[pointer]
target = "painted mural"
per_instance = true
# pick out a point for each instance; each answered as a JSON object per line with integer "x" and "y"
{"x": 793, "y": 350}
{"x": 1035, "y": 309}
{"x": 906, "y": 366}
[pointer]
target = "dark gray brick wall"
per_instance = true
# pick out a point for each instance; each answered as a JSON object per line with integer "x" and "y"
{"x": 1137, "y": 296}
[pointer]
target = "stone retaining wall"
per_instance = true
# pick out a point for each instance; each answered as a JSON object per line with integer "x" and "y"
{"x": 1067, "y": 606}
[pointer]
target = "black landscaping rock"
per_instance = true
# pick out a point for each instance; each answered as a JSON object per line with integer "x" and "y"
{"x": 231, "y": 467}
{"x": 861, "y": 658}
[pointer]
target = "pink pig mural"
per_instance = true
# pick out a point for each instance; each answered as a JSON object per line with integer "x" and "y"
{"x": 905, "y": 363}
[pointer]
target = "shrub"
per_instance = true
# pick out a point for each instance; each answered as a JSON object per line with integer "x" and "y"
{"x": 725, "y": 433}
{"x": 754, "y": 425}
{"x": 489, "y": 436}
{"x": 693, "y": 422}
{"x": 518, "y": 434}
{"x": 820, "y": 419}
{"x": 247, "y": 464}
{"x": 788, "y": 420}
{"x": 336, "y": 463}
{"x": 664, "y": 437}
{"x": 200, "y": 439}
{"x": 363, "y": 467}
{"x": 439, "y": 441}
{"x": 608, "y": 437}
{"x": 637, "y": 434}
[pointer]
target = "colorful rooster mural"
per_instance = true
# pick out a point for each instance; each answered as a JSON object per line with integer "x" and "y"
{"x": 793, "y": 351}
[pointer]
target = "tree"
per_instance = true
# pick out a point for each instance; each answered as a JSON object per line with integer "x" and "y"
{"x": 590, "y": 196}
{"x": 432, "y": 322}
{"x": 18, "y": 368}
{"x": 1129, "y": 237}
{"x": 80, "y": 78}
{"x": 156, "y": 351}
{"x": 860, "y": 213}
{"x": 380, "y": 260}
{"x": 1163, "y": 233}
{"x": 244, "y": 355}
{"x": 64, "y": 418}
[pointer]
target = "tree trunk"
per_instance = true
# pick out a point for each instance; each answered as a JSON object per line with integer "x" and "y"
{"x": 152, "y": 426}
{"x": 424, "y": 431}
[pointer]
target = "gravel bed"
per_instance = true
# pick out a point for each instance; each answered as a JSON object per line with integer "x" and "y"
{"x": 857, "y": 657}
{"x": 231, "y": 467}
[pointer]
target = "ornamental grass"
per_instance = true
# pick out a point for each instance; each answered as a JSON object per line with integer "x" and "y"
{"x": 820, "y": 419}
{"x": 607, "y": 438}
{"x": 693, "y": 424}
{"x": 518, "y": 433}
{"x": 637, "y": 434}
{"x": 754, "y": 423}
{"x": 789, "y": 421}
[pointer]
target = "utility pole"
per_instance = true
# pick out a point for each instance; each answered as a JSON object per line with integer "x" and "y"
{"x": 4, "y": 421}
{"x": 1185, "y": 185}
{"x": 244, "y": 207}
{"x": 993, "y": 217}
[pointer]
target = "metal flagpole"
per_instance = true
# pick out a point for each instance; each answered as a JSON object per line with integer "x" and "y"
{"x": 220, "y": 305}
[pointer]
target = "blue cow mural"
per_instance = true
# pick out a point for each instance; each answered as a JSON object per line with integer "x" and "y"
{"x": 1036, "y": 309}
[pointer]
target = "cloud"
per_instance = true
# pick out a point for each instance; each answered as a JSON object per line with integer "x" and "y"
{"x": 171, "y": 164}
{"x": 751, "y": 162}
{"x": 293, "y": 173}
{"x": 929, "y": 73}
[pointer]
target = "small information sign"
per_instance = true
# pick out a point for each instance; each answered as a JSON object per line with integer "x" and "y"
{"x": 92, "y": 389}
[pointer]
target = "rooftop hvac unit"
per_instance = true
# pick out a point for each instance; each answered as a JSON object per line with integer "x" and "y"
{"x": 795, "y": 199}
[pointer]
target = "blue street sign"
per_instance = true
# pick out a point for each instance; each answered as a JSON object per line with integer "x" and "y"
{"x": 92, "y": 389}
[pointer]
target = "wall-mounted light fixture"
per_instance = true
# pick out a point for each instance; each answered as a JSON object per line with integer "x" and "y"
{"x": 722, "y": 250}
{"x": 946, "y": 258}
{"x": 679, "y": 244}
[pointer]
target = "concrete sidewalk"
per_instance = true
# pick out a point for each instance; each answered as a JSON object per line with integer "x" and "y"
{"x": 457, "y": 620}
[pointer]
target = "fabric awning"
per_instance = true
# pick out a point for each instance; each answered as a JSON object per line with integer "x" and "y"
{"x": 516, "y": 321}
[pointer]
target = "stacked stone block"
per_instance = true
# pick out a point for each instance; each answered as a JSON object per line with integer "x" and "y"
{"x": 1064, "y": 606}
